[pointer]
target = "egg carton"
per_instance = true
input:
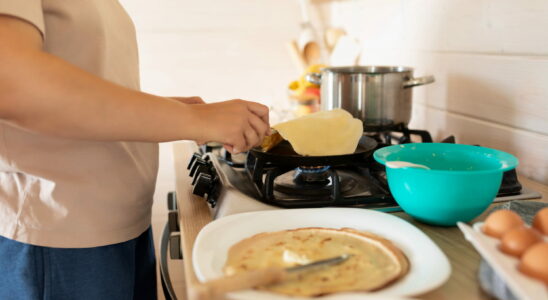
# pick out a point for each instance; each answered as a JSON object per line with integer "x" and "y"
{"x": 505, "y": 266}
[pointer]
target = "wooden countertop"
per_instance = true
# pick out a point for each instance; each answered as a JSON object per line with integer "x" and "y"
{"x": 194, "y": 214}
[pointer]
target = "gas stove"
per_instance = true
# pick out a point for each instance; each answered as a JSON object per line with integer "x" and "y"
{"x": 253, "y": 181}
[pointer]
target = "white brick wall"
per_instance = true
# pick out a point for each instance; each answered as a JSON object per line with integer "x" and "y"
{"x": 490, "y": 60}
{"x": 217, "y": 49}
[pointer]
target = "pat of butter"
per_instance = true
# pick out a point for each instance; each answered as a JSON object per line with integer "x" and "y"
{"x": 290, "y": 257}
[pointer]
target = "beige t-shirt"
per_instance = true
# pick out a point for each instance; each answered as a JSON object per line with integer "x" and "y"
{"x": 70, "y": 193}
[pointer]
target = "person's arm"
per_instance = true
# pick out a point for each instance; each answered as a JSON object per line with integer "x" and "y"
{"x": 189, "y": 100}
{"x": 43, "y": 93}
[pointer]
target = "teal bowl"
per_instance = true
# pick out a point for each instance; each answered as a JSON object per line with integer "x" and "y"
{"x": 461, "y": 183}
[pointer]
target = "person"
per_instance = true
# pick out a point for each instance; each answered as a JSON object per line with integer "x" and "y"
{"x": 79, "y": 152}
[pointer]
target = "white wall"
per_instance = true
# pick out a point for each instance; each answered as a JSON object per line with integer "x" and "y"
{"x": 218, "y": 49}
{"x": 490, "y": 60}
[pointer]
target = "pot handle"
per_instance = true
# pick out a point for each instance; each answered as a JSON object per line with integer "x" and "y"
{"x": 315, "y": 78}
{"x": 418, "y": 81}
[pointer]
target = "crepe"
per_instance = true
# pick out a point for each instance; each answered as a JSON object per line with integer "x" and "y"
{"x": 375, "y": 262}
{"x": 333, "y": 132}
{"x": 271, "y": 141}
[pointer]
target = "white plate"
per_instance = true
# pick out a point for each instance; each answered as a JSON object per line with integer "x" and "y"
{"x": 524, "y": 287}
{"x": 429, "y": 267}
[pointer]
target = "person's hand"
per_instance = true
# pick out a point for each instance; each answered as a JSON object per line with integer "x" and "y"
{"x": 238, "y": 124}
{"x": 189, "y": 100}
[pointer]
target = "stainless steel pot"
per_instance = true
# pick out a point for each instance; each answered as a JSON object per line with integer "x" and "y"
{"x": 378, "y": 95}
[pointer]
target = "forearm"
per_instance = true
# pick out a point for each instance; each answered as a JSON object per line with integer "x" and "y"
{"x": 42, "y": 93}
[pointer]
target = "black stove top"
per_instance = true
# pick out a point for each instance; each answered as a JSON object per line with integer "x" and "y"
{"x": 297, "y": 186}
{"x": 358, "y": 182}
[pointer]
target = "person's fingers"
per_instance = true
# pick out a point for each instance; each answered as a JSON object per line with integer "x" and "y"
{"x": 259, "y": 126}
{"x": 266, "y": 119}
{"x": 260, "y": 110}
{"x": 196, "y": 100}
{"x": 251, "y": 138}
{"x": 238, "y": 124}
{"x": 228, "y": 148}
{"x": 239, "y": 144}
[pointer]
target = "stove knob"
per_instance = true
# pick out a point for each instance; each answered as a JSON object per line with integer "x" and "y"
{"x": 211, "y": 199}
{"x": 193, "y": 159}
{"x": 197, "y": 160}
{"x": 200, "y": 166}
{"x": 203, "y": 169}
{"x": 204, "y": 184}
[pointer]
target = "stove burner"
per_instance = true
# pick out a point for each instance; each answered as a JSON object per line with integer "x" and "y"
{"x": 316, "y": 175}
{"x": 397, "y": 134}
{"x": 313, "y": 182}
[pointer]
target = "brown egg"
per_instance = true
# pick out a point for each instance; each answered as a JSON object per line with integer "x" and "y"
{"x": 501, "y": 221}
{"x": 534, "y": 262}
{"x": 540, "y": 222}
{"x": 517, "y": 240}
